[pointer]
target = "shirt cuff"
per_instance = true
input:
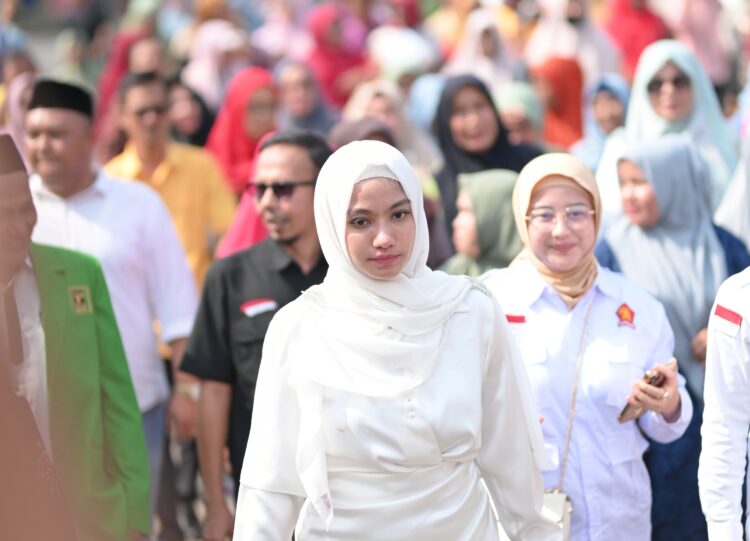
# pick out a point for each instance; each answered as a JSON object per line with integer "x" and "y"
{"x": 176, "y": 328}
{"x": 725, "y": 531}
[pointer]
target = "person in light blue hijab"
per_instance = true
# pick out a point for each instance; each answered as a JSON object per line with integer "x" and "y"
{"x": 667, "y": 243}
{"x": 671, "y": 94}
{"x": 424, "y": 96}
{"x": 605, "y": 110}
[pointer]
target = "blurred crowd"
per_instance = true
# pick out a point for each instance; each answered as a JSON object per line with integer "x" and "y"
{"x": 469, "y": 90}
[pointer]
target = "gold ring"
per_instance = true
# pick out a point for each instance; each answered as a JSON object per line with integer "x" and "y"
{"x": 666, "y": 395}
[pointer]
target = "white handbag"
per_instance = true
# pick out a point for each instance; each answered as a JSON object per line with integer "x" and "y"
{"x": 557, "y": 506}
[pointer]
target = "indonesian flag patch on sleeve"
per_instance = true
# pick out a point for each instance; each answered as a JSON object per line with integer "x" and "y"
{"x": 726, "y": 321}
{"x": 254, "y": 307}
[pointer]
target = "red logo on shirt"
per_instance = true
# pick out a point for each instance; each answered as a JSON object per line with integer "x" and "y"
{"x": 626, "y": 316}
{"x": 515, "y": 319}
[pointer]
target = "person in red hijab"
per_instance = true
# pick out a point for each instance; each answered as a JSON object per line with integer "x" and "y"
{"x": 559, "y": 83}
{"x": 337, "y": 59}
{"x": 633, "y": 27}
{"x": 246, "y": 115}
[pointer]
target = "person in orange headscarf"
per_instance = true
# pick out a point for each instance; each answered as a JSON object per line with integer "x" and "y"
{"x": 559, "y": 82}
{"x": 247, "y": 114}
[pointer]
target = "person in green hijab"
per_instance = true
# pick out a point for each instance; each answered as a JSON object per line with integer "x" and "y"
{"x": 484, "y": 233}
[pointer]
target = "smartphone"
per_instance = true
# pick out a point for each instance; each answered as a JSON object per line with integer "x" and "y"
{"x": 630, "y": 412}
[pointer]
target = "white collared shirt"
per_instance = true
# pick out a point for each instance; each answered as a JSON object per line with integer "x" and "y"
{"x": 606, "y": 477}
{"x": 30, "y": 377}
{"x": 126, "y": 226}
{"x": 726, "y": 417}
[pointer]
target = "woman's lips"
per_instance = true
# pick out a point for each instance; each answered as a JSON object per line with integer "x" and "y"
{"x": 384, "y": 259}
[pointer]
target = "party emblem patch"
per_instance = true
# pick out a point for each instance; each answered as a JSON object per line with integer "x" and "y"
{"x": 626, "y": 316}
{"x": 80, "y": 299}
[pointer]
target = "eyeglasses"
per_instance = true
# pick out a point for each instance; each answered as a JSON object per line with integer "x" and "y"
{"x": 156, "y": 109}
{"x": 545, "y": 219}
{"x": 681, "y": 82}
{"x": 281, "y": 190}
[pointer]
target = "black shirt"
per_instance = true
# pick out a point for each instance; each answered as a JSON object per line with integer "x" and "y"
{"x": 240, "y": 297}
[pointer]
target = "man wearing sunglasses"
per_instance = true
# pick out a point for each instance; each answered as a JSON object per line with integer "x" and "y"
{"x": 241, "y": 295}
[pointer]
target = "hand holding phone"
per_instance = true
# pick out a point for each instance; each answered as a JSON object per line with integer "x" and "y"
{"x": 657, "y": 391}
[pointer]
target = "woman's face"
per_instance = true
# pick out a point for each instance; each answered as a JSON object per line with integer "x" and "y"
{"x": 488, "y": 43}
{"x": 184, "y": 111}
{"x": 608, "y": 111}
{"x": 465, "y": 234}
{"x": 381, "y": 108}
{"x": 670, "y": 93}
{"x": 260, "y": 113}
{"x": 380, "y": 228}
{"x": 562, "y": 243}
{"x": 297, "y": 91}
{"x": 637, "y": 193}
{"x": 472, "y": 122}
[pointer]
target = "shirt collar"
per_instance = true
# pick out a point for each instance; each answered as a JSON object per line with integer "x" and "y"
{"x": 161, "y": 173}
{"x": 40, "y": 190}
{"x": 536, "y": 285}
{"x": 279, "y": 259}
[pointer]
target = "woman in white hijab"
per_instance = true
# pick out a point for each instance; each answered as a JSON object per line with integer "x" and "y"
{"x": 389, "y": 391}
{"x": 482, "y": 52}
{"x": 671, "y": 94}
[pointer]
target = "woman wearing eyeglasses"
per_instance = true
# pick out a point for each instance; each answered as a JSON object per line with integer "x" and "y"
{"x": 391, "y": 403}
{"x": 671, "y": 94}
{"x": 587, "y": 336}
{"x": 667, "y": 244}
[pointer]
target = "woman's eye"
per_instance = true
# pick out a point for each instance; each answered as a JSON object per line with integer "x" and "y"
{"x": 358, "y": 222}
{"x": 400, "y": 214}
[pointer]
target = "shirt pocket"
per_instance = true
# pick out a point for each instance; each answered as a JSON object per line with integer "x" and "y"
{"x": 625, "y": 450}
{"x": 536, "y": 361}
{"x": 247, "y": 349}
{"x": 624, "y": 364}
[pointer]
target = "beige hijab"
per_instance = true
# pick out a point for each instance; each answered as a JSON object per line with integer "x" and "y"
{"x": 571, "y": 285}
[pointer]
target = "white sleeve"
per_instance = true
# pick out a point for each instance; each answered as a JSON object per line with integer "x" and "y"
{"x": 726, "y": 419}
{"x": 652, "y": 423}
{"x": 263, "y": 515}
{"x": 171, "y": 284}
{"x": 512, "y": 444}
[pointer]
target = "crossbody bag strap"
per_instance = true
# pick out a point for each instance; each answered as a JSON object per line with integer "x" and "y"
{"x": 579, "y": 362}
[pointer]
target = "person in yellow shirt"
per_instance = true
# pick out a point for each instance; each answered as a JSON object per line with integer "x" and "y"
{"x": 188, "y": 179}
{"x": 201, "y": 205}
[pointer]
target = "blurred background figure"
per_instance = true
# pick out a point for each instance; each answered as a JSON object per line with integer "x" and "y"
{"x": 472, "y": 138}
{"x": 248, "y": 112}
{"x": 559, "y": 83}
{"x": 604, "y": 111}
{"x": 484, "y": 233}
{"x": 217, "y": 52}
{"x": 633, "y": 26}
{"x": 522, "y": 113}
{"x": 483, "y": 53}
{"x": 189, "y": 116}
{"x": 667, "y": 243}
{"x": 301, "y": 104}
{"x": 566, "y": 29}
{"x": 671, "y": 94}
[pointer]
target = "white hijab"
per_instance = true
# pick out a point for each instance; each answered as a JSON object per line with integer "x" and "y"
{"x": 359, "y": 325}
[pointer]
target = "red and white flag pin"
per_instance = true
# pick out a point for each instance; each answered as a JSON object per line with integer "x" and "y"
{"x": 254, "y": 307}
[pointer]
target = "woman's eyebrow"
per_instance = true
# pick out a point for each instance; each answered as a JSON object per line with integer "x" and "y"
{"x": 405, "y": 200}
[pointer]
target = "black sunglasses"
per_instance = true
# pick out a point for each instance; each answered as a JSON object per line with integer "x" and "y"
{"x": 281, "y": 190}
{"x": 681, "y": 82}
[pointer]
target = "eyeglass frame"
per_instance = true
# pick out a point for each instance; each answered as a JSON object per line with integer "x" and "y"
{"x": 549, "y": 226}
{"x": 258, "y": 189}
